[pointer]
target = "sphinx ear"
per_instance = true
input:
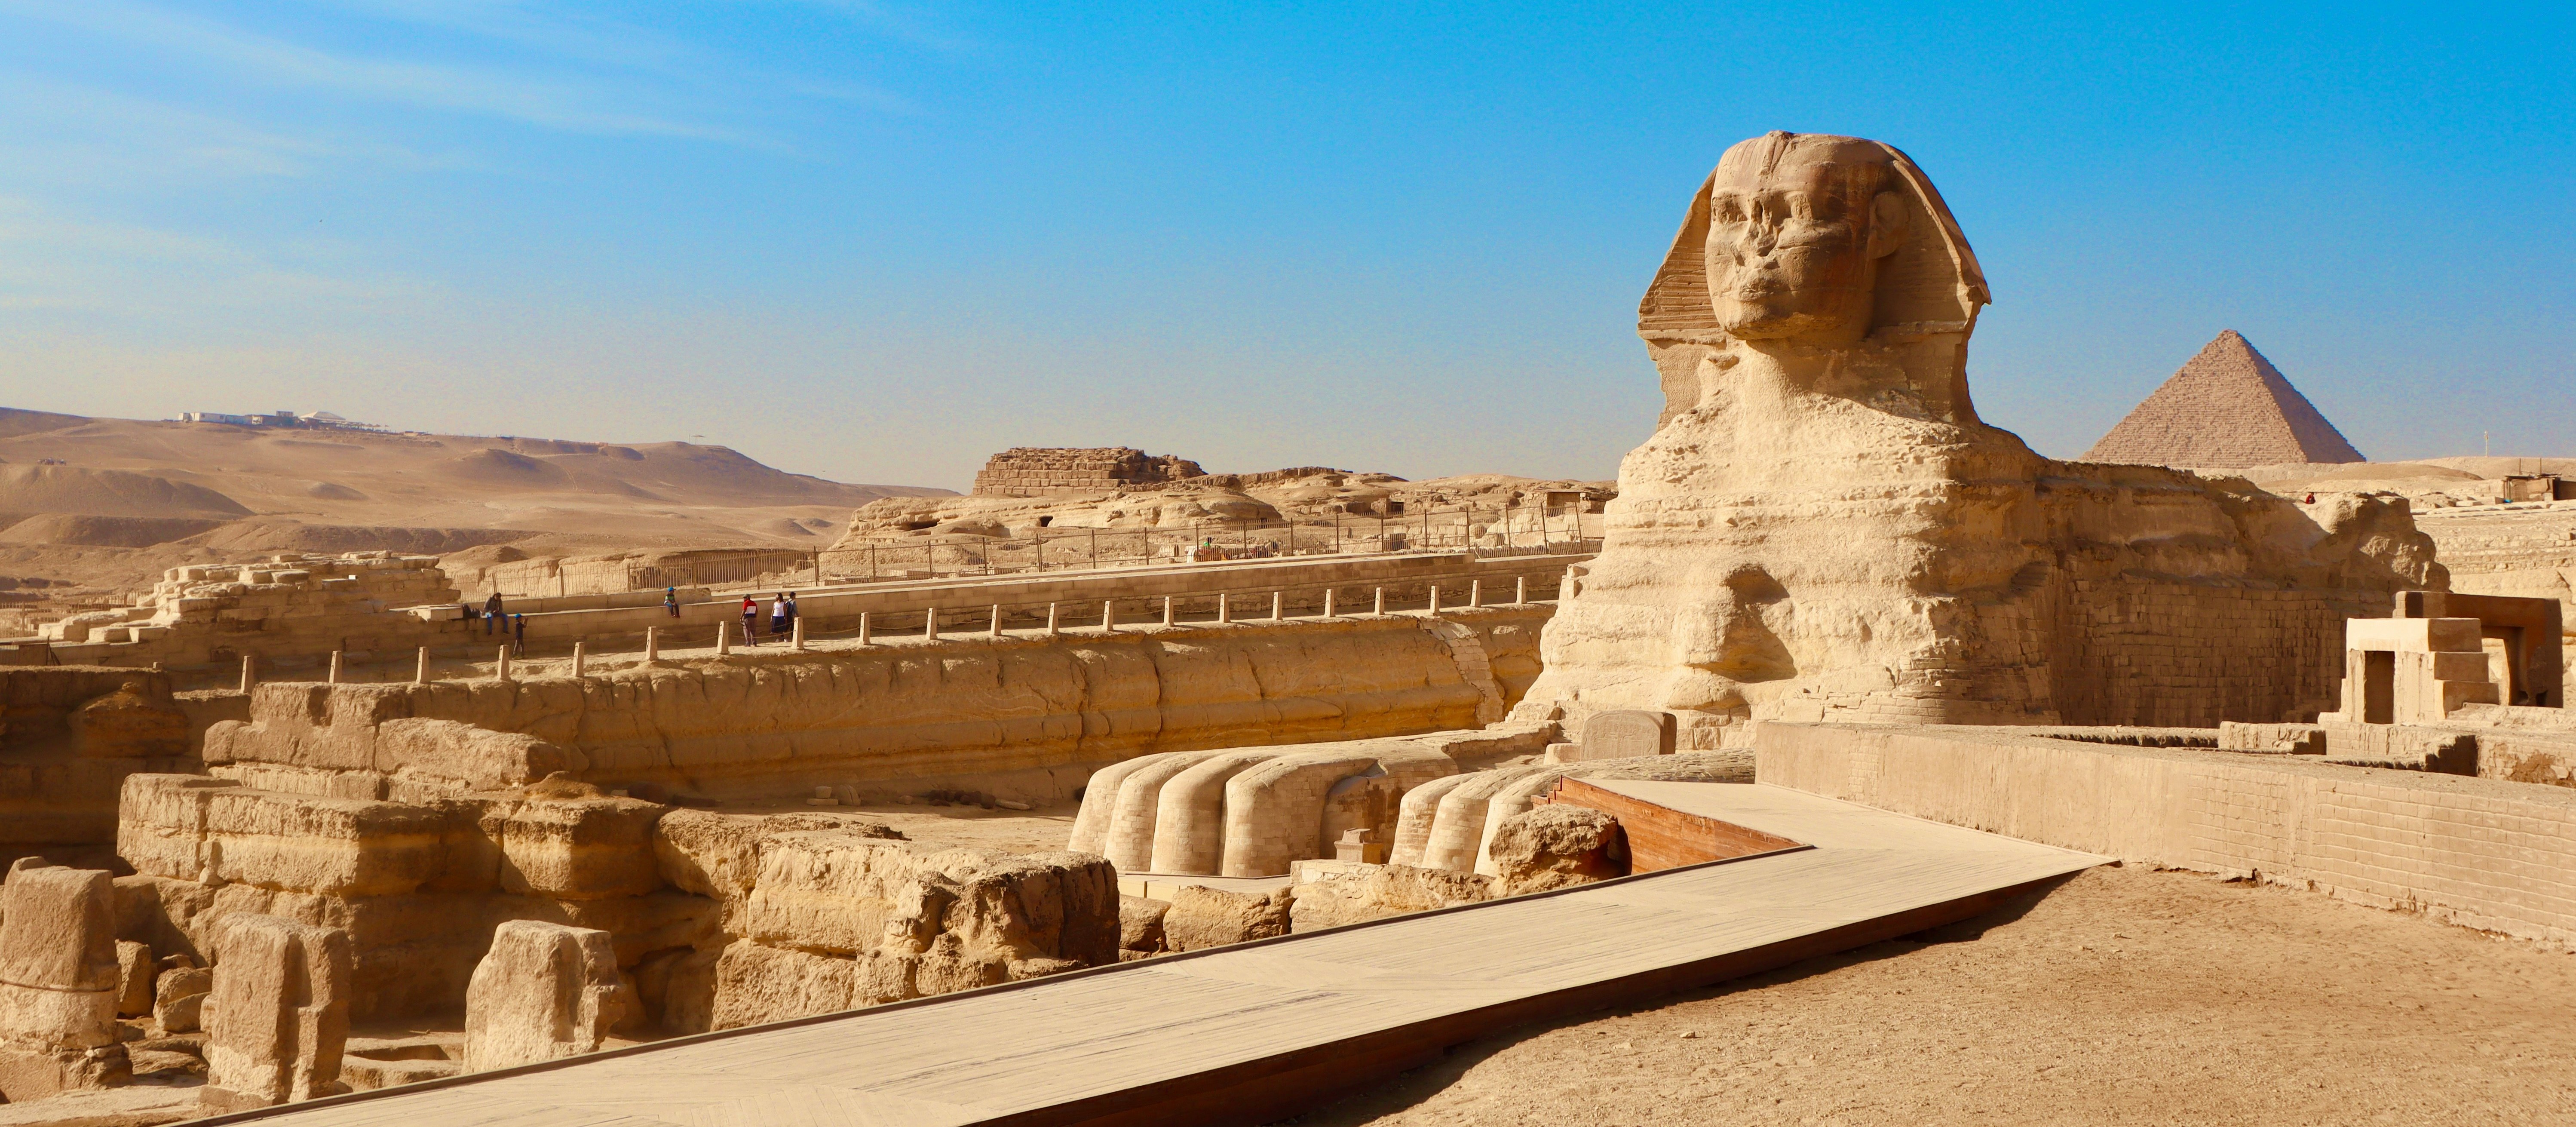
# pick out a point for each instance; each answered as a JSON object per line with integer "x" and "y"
{"x": 1887, "y": 216}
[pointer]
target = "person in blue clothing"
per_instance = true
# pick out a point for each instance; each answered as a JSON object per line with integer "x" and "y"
{"x": 671, "y": 600}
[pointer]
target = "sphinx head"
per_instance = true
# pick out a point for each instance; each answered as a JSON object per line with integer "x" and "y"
{"x": 1797, "y": 228}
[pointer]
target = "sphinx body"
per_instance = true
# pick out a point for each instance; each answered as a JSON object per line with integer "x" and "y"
{"x": 1822, "y": 528}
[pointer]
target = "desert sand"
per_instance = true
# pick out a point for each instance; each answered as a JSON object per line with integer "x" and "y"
{"x": 2125, "y": 996}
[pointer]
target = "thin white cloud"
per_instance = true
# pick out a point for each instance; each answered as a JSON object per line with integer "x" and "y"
{"x": 93, "y": 136}
{"x": 566, "y": 103}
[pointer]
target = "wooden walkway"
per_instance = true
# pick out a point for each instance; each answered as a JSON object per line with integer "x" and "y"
{"x": 1253, "y": 1032}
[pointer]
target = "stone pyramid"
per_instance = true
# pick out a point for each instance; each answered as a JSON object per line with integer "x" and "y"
{"x": 2228, "y": 408}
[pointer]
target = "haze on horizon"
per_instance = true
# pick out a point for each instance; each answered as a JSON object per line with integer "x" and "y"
{"x": 877, "y": 243}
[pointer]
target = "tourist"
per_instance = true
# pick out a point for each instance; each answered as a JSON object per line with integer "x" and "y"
{"x": 519, "y": 635}
{"x": 791, "y": 608}
{"x": 671, "y": 600}
{"x": 778, "y": 614}
{"x": 750, "y": 621}
{"x": 491, "y": 614}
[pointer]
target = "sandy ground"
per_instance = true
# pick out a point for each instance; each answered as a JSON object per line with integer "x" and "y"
{"x": 2125, "y": 996}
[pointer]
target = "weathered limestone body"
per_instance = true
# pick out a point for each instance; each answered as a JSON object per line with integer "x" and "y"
{"x": 59, "y": 981}
{"x": 279, "y": 1014}
{"x": 1821, "y": 527}
{"x": 544, "y": 992}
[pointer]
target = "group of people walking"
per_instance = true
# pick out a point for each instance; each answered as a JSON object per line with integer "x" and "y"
{"x": 782, "y": 616}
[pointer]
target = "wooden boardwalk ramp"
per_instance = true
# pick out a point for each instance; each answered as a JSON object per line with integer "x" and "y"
{"x": 1257, "y": 1031}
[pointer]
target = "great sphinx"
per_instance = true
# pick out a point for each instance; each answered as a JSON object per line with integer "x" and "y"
{"x": 1822, "y": 528}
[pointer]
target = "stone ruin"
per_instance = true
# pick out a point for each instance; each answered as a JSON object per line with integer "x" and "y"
{"x": 1031, "y": 471}
{"x": 296, "y": 605}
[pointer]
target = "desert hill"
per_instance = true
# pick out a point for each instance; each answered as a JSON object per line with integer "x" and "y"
{"x": 101, "y": 504}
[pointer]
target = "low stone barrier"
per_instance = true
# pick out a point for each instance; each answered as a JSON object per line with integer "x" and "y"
{"x": 2483, "y": 853}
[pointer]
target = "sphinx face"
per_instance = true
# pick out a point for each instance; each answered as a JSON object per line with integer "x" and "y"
{"x": 1795, "y": 232}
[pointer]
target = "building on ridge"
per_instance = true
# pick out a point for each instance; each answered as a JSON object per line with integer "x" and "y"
{"x": 2227, "y": 408}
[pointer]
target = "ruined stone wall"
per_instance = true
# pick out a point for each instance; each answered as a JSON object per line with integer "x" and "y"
{"x": 719, "y": 919}
{"x": 2522, "y": 550}
{"x": 1029, "y": 471}
{"x": 69, "y": 735}
{"x": 1036, "y": 713}
{"x": 294, "y": 605}
{"x": 2188, "y": 655}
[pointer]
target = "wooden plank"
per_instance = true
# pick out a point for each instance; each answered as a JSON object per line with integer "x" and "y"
{"x": 1660, "y": 837}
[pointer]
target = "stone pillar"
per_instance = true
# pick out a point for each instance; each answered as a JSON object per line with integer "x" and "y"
{"x": 1475, "y": 592}
{"x": 1520, "y": 591}
{"x": 501, "y": 665}
{"x": 1435, "y": 599}
{"x": 724, "y": 637}
{"x": 652, "y": 644}
{"x": 334, "y": 676}
{"x": 863, "y": 629}
{"x": 1051, "y": 630}
{"x": 250, "y": 673}
{"x": 996, "y": 631}
{"x": 930, "y": 623}
{"x": 796, "y": 632}
{"x": 544, "y": 992}
{"x": 579, "y": 666}
{"x": 1381, "y": 602}
{"x": 1224, "y": 612}
{"x": 59, "y": 980}
{"x": 279, "y": 1013}
{"x": 1167, "y": 610}
{"x": 1108, "y": 616}
{"x": 1278, "y": 604}
{"x": 1328, "y": 602}
{"x": 420, "y": 668}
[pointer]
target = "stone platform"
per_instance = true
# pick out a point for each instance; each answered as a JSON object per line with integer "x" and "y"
{"x": 1259, "y": 1030}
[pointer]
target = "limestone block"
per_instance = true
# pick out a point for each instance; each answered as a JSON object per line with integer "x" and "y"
{"x": 1203, "y": 917}
{"x": 2272, "y": 739}
{"x": 278, "y": 1016}
{"x": 577, "y": 849}
{"x": 1557, "y": 847}
{"x": 134, "y": 971}
{"x": 543, "y": 992}
{"x": 161, "y": 823}
{"x": 1140, "y": 923}
{"x": 58, "y": 965}
{"x": 1627, "y": 733}
{"x": 1382, "y": 891}
{"x": 333, "y": 846}
{"x": 131, "y": 723}
{"x": 757, "y": 983}
{"x": 179, "y": 998}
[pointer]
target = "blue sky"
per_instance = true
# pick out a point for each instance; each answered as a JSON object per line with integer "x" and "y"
{"x": 878, "y": 242}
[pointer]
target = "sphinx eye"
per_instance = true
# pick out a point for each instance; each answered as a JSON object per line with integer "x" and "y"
{"x": 1727, "y": 209}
